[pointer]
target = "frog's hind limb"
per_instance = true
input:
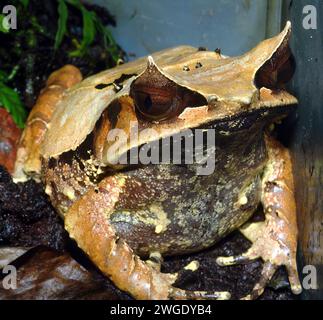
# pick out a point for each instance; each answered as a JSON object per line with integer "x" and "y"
{"x": 28, "y": 162}
{"x": 275, "y": 239}
{"x": 87, "y": 222}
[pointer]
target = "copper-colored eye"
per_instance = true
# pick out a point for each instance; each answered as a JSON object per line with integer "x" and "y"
{"x": 158, "y": 98}
{"x": 155, "y": 103}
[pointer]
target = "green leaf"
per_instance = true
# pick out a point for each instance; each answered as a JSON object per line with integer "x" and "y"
{"x": 10, "y": 100}
{"x": 13, "y": 73}
{"x": 36, "y": 25}
{"x": 62, "y": 23}
{"x": 2, "y": 24}
{"x": 108, "y": 41}
{"x": 89, "y": 30}
{"x": 75, "y": 3}
{"x": 3, "y": 76}
{"x": 25, "y": 3}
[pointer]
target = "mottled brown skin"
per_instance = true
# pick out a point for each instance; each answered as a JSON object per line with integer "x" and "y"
{"x": 120, "y": 215}
{"x": 199, "y": 208}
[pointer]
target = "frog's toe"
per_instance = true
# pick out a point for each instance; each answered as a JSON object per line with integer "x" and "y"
{"x": 273, "y": 242}
{"x": 293, "y": 277}
{"x": 238, "y": 259}
{"x": 180, "y": 294}
{"x": 266, "y": 274}
{"x": 197, "y": 295}
{"x": 155, "y": 260}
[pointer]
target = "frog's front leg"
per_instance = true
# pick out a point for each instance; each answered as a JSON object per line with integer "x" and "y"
{"x": 87, "y": 221}
{"x": 275, "y": 239}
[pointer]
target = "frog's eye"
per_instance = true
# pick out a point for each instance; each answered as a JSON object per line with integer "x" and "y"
{"x": 158, "y": 98}
{"x": 156, "y": 103}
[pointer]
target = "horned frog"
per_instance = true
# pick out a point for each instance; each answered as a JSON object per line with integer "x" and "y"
{"x": 127, "y": 216}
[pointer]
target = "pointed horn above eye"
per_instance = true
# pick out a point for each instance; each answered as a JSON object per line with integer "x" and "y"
{"x": 152, "y": 67}
{"x": 288, "y": 26}
{"x": 280, "y": 65}
{"x": 150, "y": 62}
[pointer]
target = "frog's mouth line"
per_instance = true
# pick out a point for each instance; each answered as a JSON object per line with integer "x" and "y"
{"x": 245, "y": 119}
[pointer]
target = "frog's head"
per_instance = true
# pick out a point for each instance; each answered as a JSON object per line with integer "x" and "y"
{"x": 169, "y": 92}
{"x": 172, "y": 88}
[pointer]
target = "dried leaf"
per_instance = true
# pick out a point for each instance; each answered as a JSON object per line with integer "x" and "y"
{"x": 48, "y": 274}
{"x": 9, "y": 136}
{"x": 9, "y": 254}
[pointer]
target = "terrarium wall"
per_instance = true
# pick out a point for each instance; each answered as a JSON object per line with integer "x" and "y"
{"x": 306, "y": 132}
{"x": 235, "y": 26}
